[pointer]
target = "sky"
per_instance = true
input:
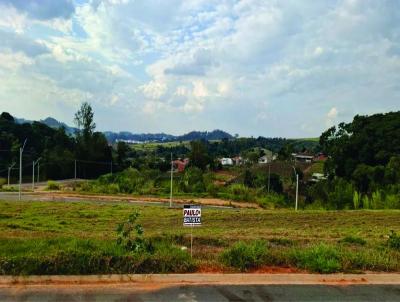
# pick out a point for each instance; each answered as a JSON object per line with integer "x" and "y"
{"x": 251, "y": 67}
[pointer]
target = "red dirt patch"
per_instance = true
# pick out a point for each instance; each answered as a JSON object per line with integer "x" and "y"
{"x": 276, "y": 270}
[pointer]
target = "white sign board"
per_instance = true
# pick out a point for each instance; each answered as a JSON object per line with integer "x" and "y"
{"x": 191, "y": 215}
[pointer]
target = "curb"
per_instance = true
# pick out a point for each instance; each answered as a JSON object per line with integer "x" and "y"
{"x": 216, "y": 279}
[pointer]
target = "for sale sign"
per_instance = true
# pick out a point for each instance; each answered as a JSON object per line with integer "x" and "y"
{"x": 191, "y": 215}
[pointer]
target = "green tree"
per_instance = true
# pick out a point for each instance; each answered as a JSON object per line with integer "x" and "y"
{"x": 198, "y": 155}
{"x": 84, "y": 120}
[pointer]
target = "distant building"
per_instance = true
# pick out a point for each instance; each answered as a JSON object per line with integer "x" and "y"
{"x": 320, "y": 157}
{"x": 180, "y": 165}
{"x": 238, "y": 160}
{"x": 316, "y": 177}
{"x": 226, "y": 161}
{"x": 303, "y": 157}
{"x": 264, "y": 160}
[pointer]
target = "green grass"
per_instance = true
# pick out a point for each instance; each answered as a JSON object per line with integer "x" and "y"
{"x": 50, "y": 233}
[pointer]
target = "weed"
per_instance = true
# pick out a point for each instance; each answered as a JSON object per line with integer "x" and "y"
{"x": 244, "y": 255}
{"x": 53, "y": 186}
{"x": 353, "y": 240}
{"x": 394, "y": 240}
{"x": 320, "y": 258}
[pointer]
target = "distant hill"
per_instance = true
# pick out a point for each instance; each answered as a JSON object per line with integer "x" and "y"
{"x": 112, "y": 137}
{"x": 163, "y": 137}
{"x": 51, "y": 122}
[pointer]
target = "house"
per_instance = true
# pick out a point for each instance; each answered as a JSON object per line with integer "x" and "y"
{"x": 264, "y": 160}
{"x": 237, "y": 160}
{"x": 180, "y": 165}
{"x": 316, "y": 177}
{"x": 226, "y": 161}
{"x": 320, "y": 157}
{"x": 303, "y": 157}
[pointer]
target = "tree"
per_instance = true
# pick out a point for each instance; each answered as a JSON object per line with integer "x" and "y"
{"x": 198, "y": 155}
{"x": 84, "y": 120}
{"x": 122, "y": 152}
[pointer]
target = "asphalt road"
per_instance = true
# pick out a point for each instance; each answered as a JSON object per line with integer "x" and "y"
{"x": 193, "y": 293}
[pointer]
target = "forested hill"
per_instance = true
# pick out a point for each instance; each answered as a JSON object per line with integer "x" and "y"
{"x": 163, "y": 137}
{"x": 112, "y": 137}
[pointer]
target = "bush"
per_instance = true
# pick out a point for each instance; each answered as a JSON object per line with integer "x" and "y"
{"x": 320, "y": 258}
{"x": 244, "y": 255}
{"x": 80, "y": 256}
{"x": 53, "y": 186}
{"x": 394, "y": 240}
{"x": 3, "y": 181}
{"x": 353, "y": 240}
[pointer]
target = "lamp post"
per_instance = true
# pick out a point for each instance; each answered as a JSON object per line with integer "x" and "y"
{"x": 170, "y": 193}
{"x": 33, "y": 172}
{"x": 21, "y": 150}
{"x": 297, "y": 188}
{"x": 9, "y": 172}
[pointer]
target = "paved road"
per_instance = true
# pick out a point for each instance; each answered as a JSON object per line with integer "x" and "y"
{"x": 192, "y": 293}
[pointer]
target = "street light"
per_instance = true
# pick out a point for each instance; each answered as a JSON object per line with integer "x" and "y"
{"x": 297, "y": 187}
{"x": 33, "y": 172}
{"x": 9, "y": 171}
{"x": 170, "y": 193}
{"x": 20, "y": 168}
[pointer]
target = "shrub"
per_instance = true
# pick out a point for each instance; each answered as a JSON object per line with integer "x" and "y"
{"x": 3, "y": 181}
{"x": 320, "y": 258}
{"x": 353, "y": 240}
{"x": 356, "y": 200}
{"x": 130, "y": 235}
{"x": 394, "y": 240}
{"x": 52, "y": 185}
{"x": 244, "y": 255}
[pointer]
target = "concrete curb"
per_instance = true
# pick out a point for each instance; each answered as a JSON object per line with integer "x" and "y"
{"x": 216, "y": 279}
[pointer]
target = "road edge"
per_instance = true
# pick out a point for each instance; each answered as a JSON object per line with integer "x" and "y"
{"x": 216, "y": 279}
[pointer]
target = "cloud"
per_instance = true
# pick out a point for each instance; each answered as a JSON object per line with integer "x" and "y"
{"x": 208, "y": 63}
{"x": 43, "y": 9}
{"x": 21, "y": 43}
{"x": 331, "y": 117}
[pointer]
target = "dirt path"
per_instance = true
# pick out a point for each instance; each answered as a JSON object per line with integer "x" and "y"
{"x": 54, "y": 195}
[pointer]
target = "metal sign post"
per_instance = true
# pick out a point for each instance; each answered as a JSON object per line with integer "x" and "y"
{"x": 191, "y": 217}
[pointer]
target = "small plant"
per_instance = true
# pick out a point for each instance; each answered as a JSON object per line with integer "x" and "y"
{"x": 53, "y": 186}
{"x": 244, "y": 255}
{"x": 394, "y": 240}
{"x": 320, "y": 258}
{"x": 130, "y": 235}
{"x": 353, "y": 240}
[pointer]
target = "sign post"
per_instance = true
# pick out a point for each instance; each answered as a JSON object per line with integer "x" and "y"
{"x": 191, "y": 217}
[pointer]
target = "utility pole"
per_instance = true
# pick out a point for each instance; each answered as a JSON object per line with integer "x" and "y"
{"x": 38, "y": 169}
{"x": 269, "y": 176}
{"x": 170, "y": 193}
{"x": 21, "y": 150}
{"x": 111, "y": 166}
{"x": 33, "y": 173}
{"x": 297, "y": 188}
{"x": 9, "y": 172}
{"x": 75, "y": 169}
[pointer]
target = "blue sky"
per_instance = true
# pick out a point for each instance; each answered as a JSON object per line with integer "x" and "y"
{"x": 270, "y": 68}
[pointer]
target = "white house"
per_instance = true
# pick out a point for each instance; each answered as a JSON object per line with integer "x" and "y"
{"x": 264, "y": 160}
{"x": 226, "y": 161}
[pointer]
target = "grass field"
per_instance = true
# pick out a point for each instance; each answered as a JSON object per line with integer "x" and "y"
{"x": 33, "y": 235}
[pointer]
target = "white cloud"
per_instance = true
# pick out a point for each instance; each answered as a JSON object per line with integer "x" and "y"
{"x": 331, "y": 117}
{"x": 210, "y": 62}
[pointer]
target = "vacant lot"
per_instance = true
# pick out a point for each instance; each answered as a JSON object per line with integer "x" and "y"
{"x": 40, "y": 231}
